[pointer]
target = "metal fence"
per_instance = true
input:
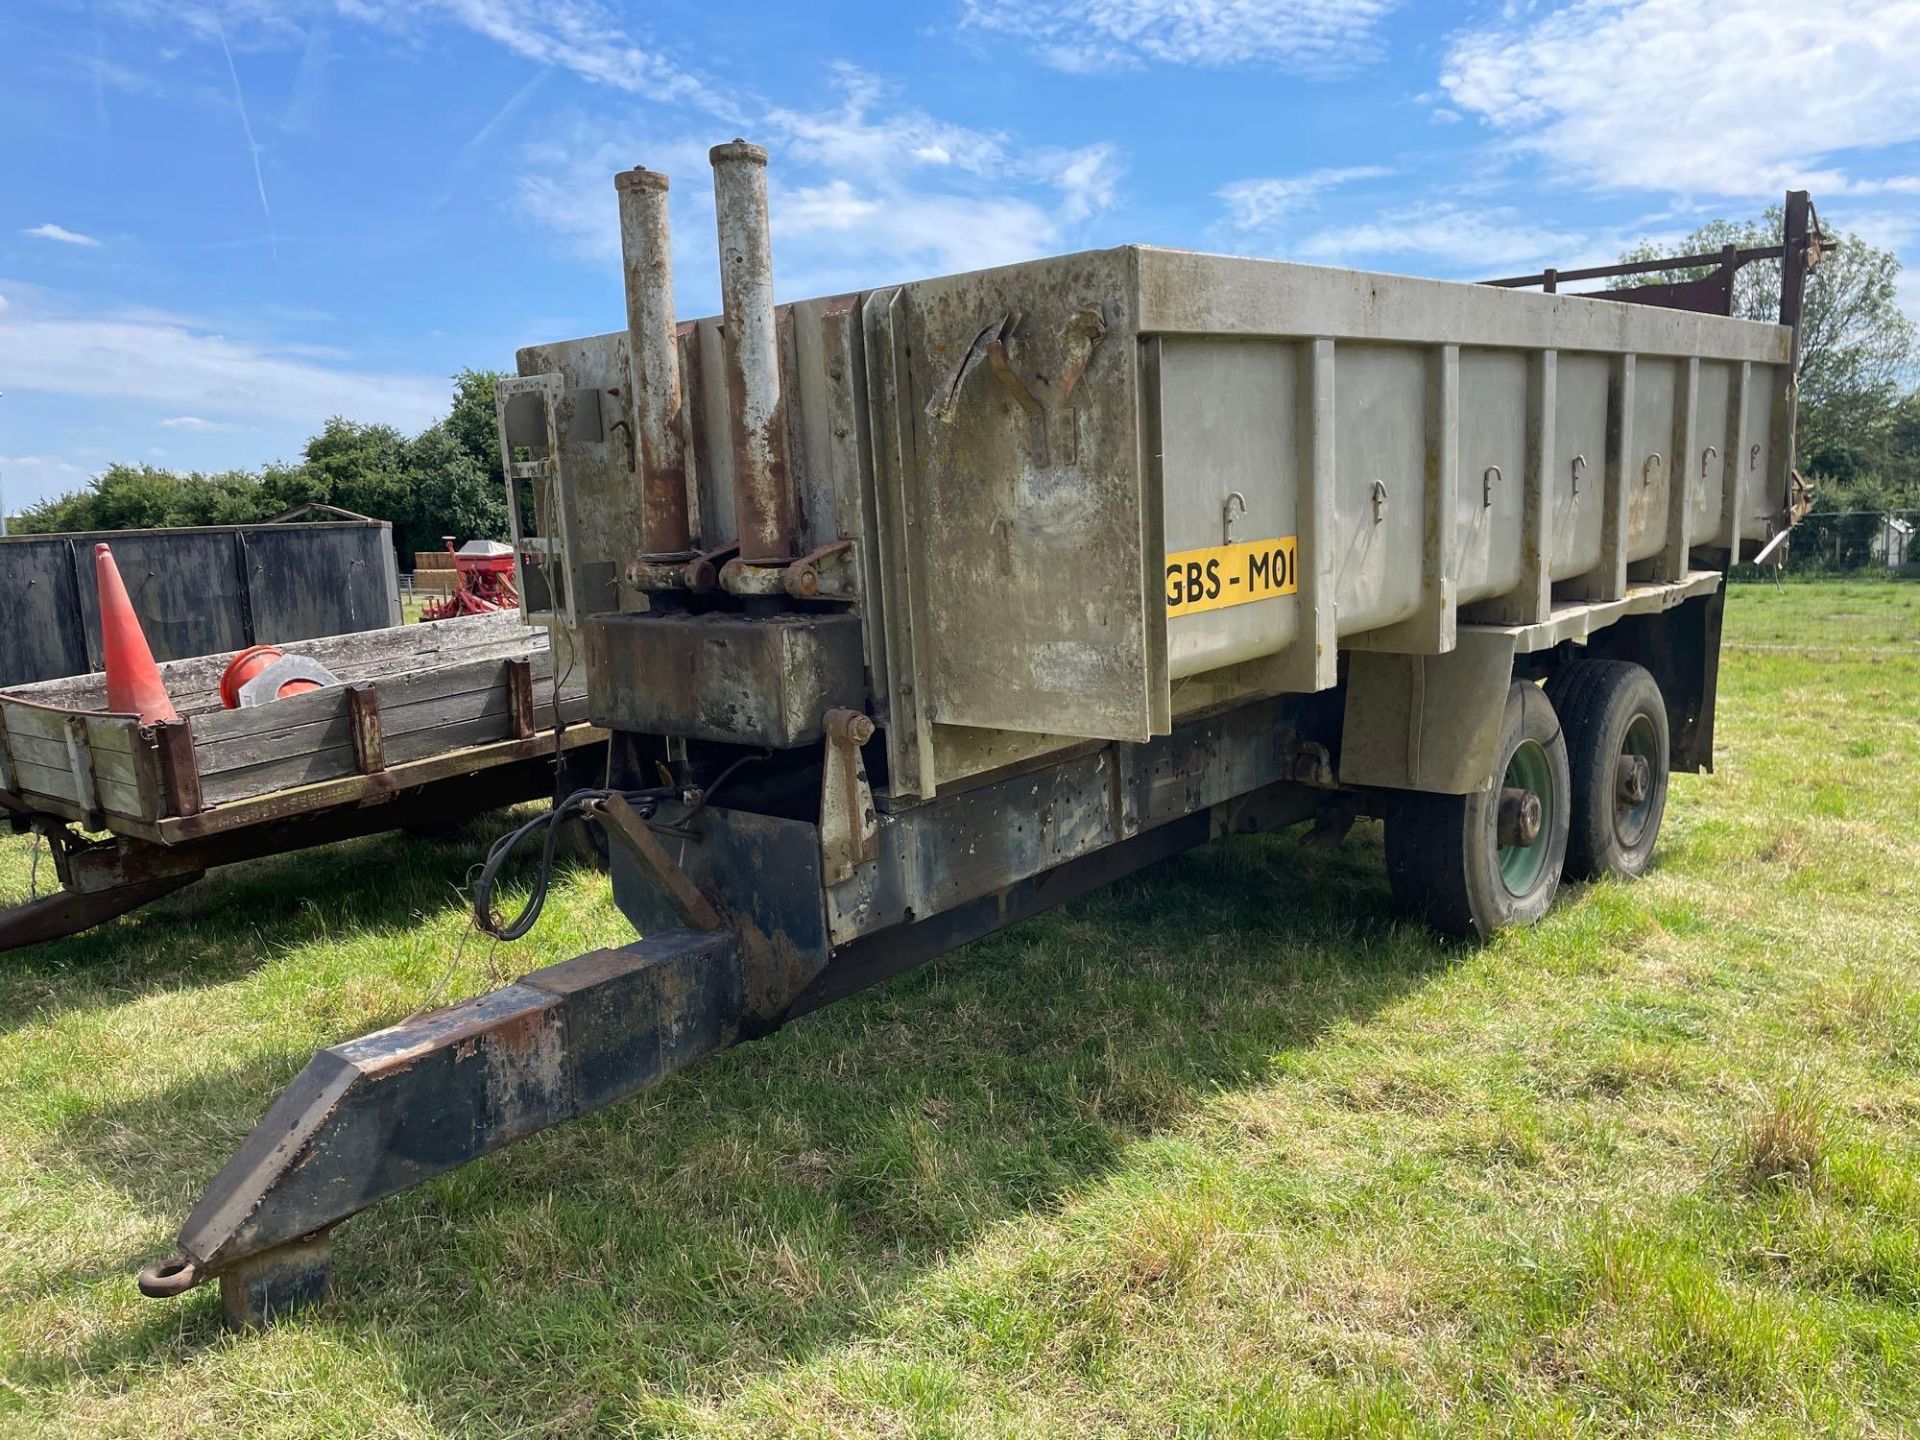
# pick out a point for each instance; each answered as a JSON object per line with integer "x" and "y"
{"x": 1852, "y": 540}
{"x": 197, "y": 590}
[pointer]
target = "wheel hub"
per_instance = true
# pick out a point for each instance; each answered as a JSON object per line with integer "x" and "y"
{"x": 1524, "y": 817}
{"x": 1519, "y": 816}
{"x": 1633, "y": 779}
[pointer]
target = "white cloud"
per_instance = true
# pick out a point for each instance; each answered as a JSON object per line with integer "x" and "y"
{"x": 861, "y": 192}
{"x": 192, "y": 422}
{"x": 868, "y": 133}
{"x": 576, "y": 35}
{"x": 61, "y": 234}
{"x": 1718, "y": 97}
{"x": 1087, "y": 179}
{"x": 1894, "y": 230}
{"x": 1889, "y": 185}
{"x": 1458, "y": 237}
{"x": 1254, "y": 204}
{"x": 167, "y": 360}
{"x": 847, "y": 236}
{"x": 1309, "y": 37}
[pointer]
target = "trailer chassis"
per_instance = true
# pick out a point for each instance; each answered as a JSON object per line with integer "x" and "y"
{"x": 753, "y": 917}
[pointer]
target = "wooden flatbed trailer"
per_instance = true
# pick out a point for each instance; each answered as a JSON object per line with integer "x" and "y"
{"x": 431, "y": 724}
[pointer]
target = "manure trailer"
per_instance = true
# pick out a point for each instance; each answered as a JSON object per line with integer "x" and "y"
{"x": 916, "y": 611}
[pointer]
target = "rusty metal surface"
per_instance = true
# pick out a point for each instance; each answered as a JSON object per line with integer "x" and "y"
{"x": 762, "y": 874}
{"x": 849, "y": 825}
{"x": 975, "y": 840}
{"x": 260, "y": 1289}
{"x": 380, "y": 1114}
{"x": 647, "y": 251}
{"x": 747, "y": 679}
{"x": 762, "y": 490}
{"x": 1712, "y": 294}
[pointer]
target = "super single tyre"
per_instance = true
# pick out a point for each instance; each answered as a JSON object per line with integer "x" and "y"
{"x": 1473, "y": 864}
{"x": 1617, "y": 749}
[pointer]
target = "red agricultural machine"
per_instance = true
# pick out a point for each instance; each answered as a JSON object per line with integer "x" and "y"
{"x": 483, "y": 581}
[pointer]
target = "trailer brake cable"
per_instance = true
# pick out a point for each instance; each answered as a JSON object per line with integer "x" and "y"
{"x": 583, "y": 804}
{"x": 579, "y": 803}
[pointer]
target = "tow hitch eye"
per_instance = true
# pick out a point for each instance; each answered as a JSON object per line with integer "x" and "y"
{"x": 1633, "y": 779}
{"x": 170, "y": 1277}
{"x": 1519, "y": 816}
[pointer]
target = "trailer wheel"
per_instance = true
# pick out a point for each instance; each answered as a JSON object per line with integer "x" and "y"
{"x": 1616, "y": 724}
{"x": 1473, "y": 864}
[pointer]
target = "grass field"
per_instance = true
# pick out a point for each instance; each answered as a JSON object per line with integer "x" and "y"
{"x": 1226, "y": 1150}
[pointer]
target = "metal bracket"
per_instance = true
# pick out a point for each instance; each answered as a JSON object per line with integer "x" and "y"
{"x": 692, "y": 908}
{"x": 534, "y": 427}
{"x": 849, "y": 825}
{"x": 1308, "y": 762}
{"x": 822, "y": 574}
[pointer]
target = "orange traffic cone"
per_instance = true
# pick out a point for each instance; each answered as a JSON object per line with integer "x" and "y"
{"x": 133, "y": 680}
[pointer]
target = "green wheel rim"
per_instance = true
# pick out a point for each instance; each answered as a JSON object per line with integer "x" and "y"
{"x": 1521, "y": 866}
{"x": 1630, "y": 821}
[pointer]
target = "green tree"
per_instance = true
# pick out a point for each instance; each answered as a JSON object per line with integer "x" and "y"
{"x": 145, "y": 497}
{"x": 450, "y": 492}
{"x": 472, "y": 421}
{"x": 444, "y": 481}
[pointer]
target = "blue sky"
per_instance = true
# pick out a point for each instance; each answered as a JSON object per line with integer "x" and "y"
{"x": 221, "y": 223}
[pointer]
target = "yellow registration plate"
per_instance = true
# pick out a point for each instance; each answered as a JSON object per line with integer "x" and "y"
{"x": 1221, "y": 575}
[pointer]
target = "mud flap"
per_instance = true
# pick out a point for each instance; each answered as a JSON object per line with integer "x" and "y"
{"x": 1427, "y": 722}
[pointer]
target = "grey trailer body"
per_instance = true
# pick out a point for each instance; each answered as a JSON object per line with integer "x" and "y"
{"x": 1085, "y": 561}
{"x": 1014, "y": 458}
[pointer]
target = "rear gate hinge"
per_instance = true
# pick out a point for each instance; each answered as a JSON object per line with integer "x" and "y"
{"x": 849, "y": 825}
